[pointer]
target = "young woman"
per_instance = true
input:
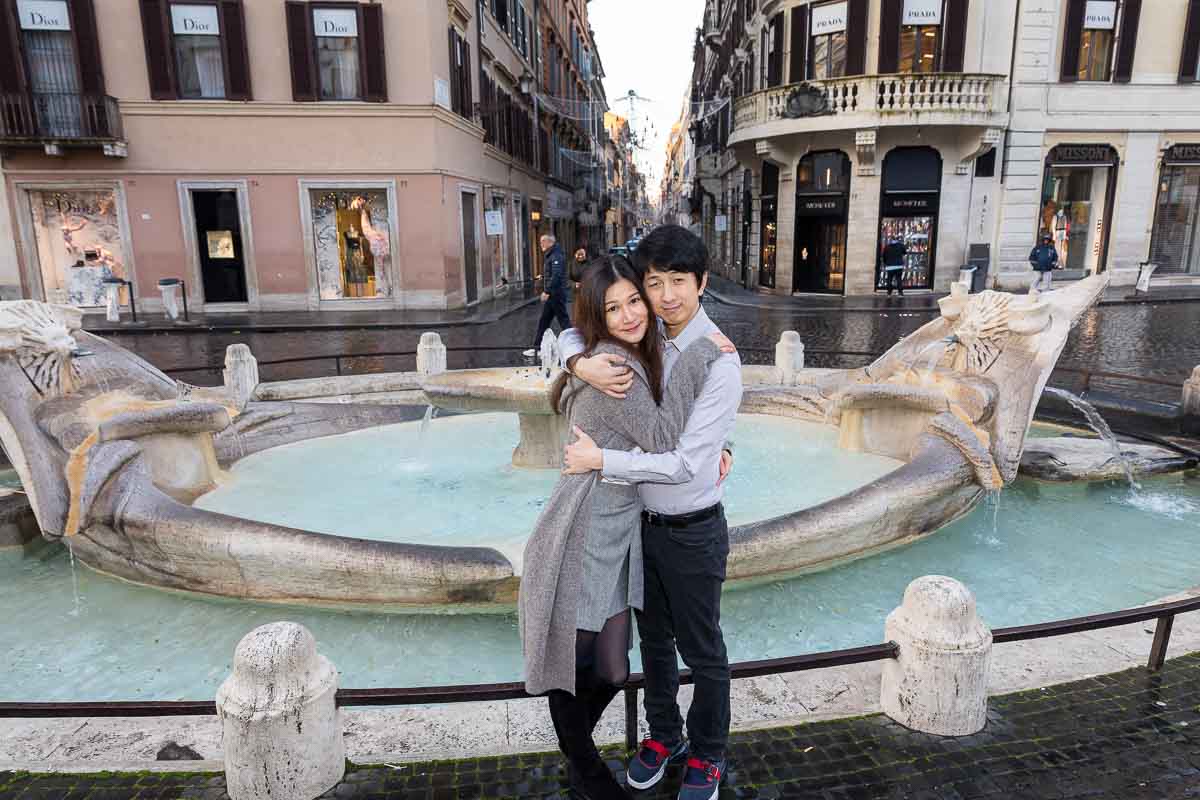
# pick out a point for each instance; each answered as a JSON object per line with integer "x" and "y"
{"x": 583, "y": 563}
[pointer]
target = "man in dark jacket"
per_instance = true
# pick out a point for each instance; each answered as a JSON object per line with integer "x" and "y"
{"x": 554, "y": 291}
{"x": 893, "y": 264}
{"x": 1043, "y": 259}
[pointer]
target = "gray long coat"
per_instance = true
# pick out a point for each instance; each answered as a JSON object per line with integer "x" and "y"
{"x": 552, "y": 583}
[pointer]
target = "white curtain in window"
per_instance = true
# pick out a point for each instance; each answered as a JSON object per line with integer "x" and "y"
{"x": 54, "y": 81}
{"x": 337, "y": 62}
{"x": 200, "y": 65}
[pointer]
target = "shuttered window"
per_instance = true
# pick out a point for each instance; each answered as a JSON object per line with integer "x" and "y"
{"x": 1100, "y": 40}
{"x": 828, "y": 46}
{"x": 460, "y": 75}
{"x": 196, "y": 50}
{"x": 337, "y": 51}
{"x": 774, "y": 44}
{"x": 1189, "y": 59}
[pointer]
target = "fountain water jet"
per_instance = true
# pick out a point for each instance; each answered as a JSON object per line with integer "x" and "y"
{"x": 1101, "y": 427}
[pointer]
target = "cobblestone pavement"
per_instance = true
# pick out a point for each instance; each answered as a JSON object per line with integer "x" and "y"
{"x": 1132, "y": 735}
{"x": 1153, "y": 340}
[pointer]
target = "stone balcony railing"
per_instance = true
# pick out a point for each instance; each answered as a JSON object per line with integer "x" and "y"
{"x": 935, "y": 98}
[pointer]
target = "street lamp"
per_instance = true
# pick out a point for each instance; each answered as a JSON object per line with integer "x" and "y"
{"x": 525, "y": 82}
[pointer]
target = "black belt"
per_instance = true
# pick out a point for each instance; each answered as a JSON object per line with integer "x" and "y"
{"x": 681, "y": 520}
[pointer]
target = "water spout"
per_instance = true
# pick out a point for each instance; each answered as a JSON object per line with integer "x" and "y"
{"x": 1101, "y": 427}
{"x": 548, "y": 354}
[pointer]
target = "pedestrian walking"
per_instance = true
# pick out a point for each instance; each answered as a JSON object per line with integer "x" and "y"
{"x": 554, "y": 291}
{"x": 1044, "y": 260}
{"x": 893, "y": 264}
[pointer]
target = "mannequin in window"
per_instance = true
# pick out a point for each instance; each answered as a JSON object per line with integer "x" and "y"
{"x": 360, "y": 265}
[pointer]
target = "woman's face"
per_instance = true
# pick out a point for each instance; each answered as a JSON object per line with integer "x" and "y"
{"x": 624, "y": 312}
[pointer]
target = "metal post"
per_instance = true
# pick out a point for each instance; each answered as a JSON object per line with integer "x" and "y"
{"x": 183, "y": 288}
{"x": 631, "y": 718}
{"x": 132, "y": 301}
{"x": 1162, "y": 638}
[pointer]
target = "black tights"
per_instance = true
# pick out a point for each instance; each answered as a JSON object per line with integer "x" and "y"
{"x": 605, "y": 655}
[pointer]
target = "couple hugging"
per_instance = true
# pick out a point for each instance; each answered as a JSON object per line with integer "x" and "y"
{"x": 635, "y": 522}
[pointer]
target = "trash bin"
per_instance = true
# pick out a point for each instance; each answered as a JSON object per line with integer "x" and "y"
{"x": 965, "y": 275}
{"x": 112, "y": 298}
{"x": 169, "y": 287}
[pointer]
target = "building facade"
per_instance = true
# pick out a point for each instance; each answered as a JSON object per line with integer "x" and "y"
{"x": 290, "y": 155}
{"x": 962, "y": 128}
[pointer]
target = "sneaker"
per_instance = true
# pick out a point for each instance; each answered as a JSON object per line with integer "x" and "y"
{"x": 530, "y": 353}
{"x": 650, "y": 764}
{"x": 702, "y": 780}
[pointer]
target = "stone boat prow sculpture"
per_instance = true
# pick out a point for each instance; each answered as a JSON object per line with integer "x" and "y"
{"x": 112, "y": 451}
{"x": 954, "y": 401}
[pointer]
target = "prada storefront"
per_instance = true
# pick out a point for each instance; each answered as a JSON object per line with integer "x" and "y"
{"x": 822, "y": 203}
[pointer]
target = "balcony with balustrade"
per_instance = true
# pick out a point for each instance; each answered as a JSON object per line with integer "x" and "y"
{"x": 870, "y": 101}
{"x": 56, "y": 120}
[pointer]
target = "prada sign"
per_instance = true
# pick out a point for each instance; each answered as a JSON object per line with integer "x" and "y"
{"x": 824, "y": 205}
{"x": 1184, "y": 154}
{"x": 830, "y": 18}
{"x": 922, "y": 12}
{"x": 1082, "y": 154}
{"x": 1100, "y": 15}
{"x": 902, "y": 204}
{"x": 44, "y": 15}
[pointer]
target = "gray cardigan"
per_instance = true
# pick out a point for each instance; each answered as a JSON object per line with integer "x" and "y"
{"x": 553, "y": 577}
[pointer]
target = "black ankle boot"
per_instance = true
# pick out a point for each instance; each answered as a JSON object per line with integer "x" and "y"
{"x": 590, "y": 778}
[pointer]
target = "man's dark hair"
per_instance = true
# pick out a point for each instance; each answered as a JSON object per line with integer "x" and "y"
{"x": 671, "y": 248}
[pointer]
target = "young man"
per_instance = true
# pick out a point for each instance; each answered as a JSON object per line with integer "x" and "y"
{"x": 685, "y": 537}
{"x": 893, "y": 264}
{"x": 1044, "y": 258}
{"x": 554, "y": 291}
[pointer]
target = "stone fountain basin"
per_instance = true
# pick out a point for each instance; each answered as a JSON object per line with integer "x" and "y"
{"x": 522, "y": 390}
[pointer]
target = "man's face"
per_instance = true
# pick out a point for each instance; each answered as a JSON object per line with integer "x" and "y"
{"x": 675, "y": 296}
{"x": 546, "y": 244}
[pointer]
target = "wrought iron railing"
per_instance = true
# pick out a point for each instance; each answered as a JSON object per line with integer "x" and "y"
{"x": 59, "y": 117}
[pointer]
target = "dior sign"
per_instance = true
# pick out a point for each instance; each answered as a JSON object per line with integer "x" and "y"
{"x": 195, "y": 21}
{"x": 1100, "y": 15}
{"x": 335, "y": 22}
{"x": 44, "y": 15}
{"x": 922, "y": 12}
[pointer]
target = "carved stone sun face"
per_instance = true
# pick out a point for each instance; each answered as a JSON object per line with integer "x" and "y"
{"x": 39, "y": 337}
{"x": 981, "y": 330}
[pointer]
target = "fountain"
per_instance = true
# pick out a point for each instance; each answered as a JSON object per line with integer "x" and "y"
{"x": 115, "y": 454}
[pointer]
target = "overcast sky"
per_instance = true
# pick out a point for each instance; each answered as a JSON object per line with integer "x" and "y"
{"x": 646, "y": 45}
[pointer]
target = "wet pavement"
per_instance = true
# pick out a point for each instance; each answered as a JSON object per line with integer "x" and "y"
{"x": 1159, "y": 341}
{"x": 1132, "y": 735}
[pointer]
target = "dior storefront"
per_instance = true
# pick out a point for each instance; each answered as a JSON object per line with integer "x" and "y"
{"x": 78, "y": 237}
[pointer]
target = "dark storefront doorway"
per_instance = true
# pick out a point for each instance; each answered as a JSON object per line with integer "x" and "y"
{"x": 822, "y": 193}
{"x": 768, "y": 233}
{"x": 219, "y": 239}
{"x": 912, "y": 180}
{"x": 747, "y": 221}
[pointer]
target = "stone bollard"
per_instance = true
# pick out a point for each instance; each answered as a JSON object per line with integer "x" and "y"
{"x": 938, "y": 684}
{"x": 1191, "y": 403}
{"x": 431, "y": 354}
{"x": 241, "y": 373}
{"x": 789, "y": 357}
{"x": 279, "y": 720}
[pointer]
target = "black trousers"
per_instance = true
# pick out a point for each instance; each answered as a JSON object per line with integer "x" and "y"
{"x": 552, "y": 309}
{"x": 895, "y": 280}
{"x": 685, "y": 568}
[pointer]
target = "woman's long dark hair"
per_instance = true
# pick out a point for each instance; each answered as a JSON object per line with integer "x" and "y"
{"x": 591, "y": 322}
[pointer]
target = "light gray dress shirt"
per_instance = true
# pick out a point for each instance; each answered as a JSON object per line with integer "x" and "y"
{"x": 685, "y": 479}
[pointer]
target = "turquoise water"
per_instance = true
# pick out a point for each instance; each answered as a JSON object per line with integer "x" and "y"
{"x": 455, "y": 484}
{"x": 9, "y": 479}
{"x": 1047, "y": 551}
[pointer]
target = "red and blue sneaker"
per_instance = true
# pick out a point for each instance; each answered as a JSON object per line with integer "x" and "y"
{"x": 702, "y": 780}
{"x": 650, "y": 764}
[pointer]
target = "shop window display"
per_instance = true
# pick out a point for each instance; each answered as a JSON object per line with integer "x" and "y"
{"x": 79, "y": 244}
{"x": 1069, "y": 203}
{"x": 1175, "y": 243}
{"x": 352, "y": 243}
{"x": 916, "y": 234}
